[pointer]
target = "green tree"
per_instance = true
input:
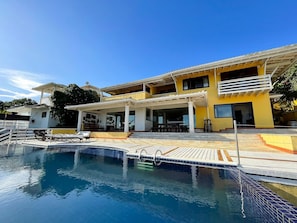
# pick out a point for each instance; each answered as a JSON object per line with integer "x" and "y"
{"x": 1, "y": 107}
{"x": 287, "y": 86}
{"x": 16, "y": 103}
{"x": 73, "y": 95}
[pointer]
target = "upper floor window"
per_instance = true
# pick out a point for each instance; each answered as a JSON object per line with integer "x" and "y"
{"x": 197, "y": 82}
{"x": 165, "y": 89}
{"x": 247, "y": 72}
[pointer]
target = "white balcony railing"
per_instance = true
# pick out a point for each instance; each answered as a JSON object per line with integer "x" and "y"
{"x": 246, "y": 85}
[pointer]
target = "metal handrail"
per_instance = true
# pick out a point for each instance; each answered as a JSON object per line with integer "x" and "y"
{"x": 236, "y": 141}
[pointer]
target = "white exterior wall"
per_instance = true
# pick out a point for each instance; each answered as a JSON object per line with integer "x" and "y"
{"x": 140, "y": 116}
{"x": 36, "y": 121}
{"x": 41, "y": 122}
{"x": 46, "y": 100}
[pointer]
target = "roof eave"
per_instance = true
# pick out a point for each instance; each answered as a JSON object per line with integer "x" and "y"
{"x": 257, "y": 56}
{"x": 82, "y": 107}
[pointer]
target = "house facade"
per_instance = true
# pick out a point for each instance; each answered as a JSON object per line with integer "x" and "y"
{"x": 39, "y": 114}
{"x": 205, "y": 97}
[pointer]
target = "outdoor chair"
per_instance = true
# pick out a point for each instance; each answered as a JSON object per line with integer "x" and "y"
{"x": 82, "y": 135}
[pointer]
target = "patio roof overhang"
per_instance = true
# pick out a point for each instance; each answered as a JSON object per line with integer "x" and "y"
{"x": 97, "y": 106}
{"x": 198, "y": 99}
{"x": 50, "y": 87}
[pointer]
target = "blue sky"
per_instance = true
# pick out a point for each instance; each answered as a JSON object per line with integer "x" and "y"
{"x": 108, "y": 42}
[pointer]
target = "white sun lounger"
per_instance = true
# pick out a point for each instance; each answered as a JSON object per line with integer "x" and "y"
{"x": 80, "y": 136}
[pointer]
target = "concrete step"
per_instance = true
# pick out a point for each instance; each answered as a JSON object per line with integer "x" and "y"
{"x": 289, "y": 130}
{"x": 202, "y": 140}
{"x": 182, "y": 136}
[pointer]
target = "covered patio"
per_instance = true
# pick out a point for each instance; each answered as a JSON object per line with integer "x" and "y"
{"x": 144, "y": 110}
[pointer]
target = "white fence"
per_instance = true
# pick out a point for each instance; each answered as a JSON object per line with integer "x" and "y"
{"x": 14, "y": 124}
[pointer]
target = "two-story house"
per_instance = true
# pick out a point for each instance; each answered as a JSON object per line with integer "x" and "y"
{"x": 206, "y": 96}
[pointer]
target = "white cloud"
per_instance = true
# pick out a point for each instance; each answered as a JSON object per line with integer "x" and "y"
{"x": 16, "y": 84}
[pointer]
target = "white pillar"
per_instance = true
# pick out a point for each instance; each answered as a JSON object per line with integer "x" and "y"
{"x": 191, "y": 117}
{"x": 79, "y": 120}
{"x": 127, "y": 111}
{"x": 41, "y": 97}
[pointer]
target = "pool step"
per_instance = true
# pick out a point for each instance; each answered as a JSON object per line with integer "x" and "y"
{"x": 149, "y": 166}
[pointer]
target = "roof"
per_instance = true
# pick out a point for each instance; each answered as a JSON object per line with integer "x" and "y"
{"x": 198, "y": 98}
{"x": 49, "y": 88}
{"x": 278, "y": 61}
{"x": 27, "y": 107}
{"x": 90, "y": 87}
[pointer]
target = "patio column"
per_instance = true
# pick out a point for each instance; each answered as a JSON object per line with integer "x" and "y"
{"x": 79, "y": 120}
{"x": 191, "y": 116}
{"x": 127, "y": 111}
{"x": 41, "y": 97}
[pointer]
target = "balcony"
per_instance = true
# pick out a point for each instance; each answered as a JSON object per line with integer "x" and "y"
{"x": 135, "y": 95}
{"x": 245, "y": 86}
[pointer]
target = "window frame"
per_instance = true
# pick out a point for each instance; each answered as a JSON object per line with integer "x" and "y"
{"x": 43, "y": 114}
{"x": 195, "y": 83}
{"x": 219, "y": 114}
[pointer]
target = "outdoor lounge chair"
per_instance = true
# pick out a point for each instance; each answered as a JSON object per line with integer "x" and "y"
{"x": 80, "y": 135}
{"x": 40, "y": 134}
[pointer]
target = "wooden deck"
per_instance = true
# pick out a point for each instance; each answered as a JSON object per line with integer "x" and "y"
{"x": 186, "y": 155}
{"x": 152, "y": 153}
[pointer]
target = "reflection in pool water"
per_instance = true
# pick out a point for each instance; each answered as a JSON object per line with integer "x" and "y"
{"x": 38, "y": 186}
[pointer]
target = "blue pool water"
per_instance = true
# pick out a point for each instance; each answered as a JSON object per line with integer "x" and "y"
{"x": 40, "y": 186}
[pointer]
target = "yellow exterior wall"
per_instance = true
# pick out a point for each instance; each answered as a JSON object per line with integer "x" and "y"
{"x": 262, "y": 111}
{"x": 110, "y": 135}
{"x": 260, "y": 103}
{"x": 63, "y": 131}
{"x": 202, "y": 112}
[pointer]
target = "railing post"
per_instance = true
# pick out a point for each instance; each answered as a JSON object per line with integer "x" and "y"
{"x": 236, "y": 140}
{"x": 10, "y": 136}
{"x": 219, "y": 88}
{"x": 270, "y": 82}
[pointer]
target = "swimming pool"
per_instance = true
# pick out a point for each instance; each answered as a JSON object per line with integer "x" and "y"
{"x": 43, "y": 186}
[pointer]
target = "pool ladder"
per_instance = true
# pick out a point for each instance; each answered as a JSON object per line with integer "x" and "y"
{"x": 155, "y": 159}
